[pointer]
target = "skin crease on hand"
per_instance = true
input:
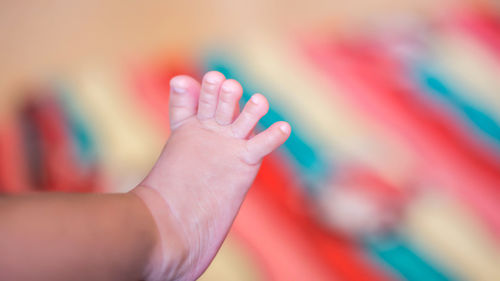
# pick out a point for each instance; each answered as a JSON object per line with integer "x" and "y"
{"x": 203, "y": 174}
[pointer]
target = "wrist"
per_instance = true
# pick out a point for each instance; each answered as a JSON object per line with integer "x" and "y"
{"x": 168, "y": 258}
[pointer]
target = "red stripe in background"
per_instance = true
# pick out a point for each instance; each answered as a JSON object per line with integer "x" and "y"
{"x": 151, "y": 84}
{"x": 275, "y": 221}
{"x": 481, "y": 24}
{"x": 13, "y": 174}
{"x": 449, "y": 156}
{"x": 60, "y": 162}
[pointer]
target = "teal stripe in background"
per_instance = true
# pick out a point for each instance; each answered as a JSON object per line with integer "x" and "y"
{"x": 396, "y": 253}
{"x": 86, "y": 145}
{"x": 393, "y": 252}
{"x": 432, "y": 83}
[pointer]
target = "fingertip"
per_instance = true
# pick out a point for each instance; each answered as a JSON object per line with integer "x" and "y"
{"x": 261, "y": 102}
{"x": 181, "y": 83}
{"x": 258, "y": 99}
{"x": 285, "y": 128}
{"x": 213, "y": 77}
{"x": 231, "y": 85}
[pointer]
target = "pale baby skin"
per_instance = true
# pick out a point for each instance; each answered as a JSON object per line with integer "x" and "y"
{"x": 200, "y": 180}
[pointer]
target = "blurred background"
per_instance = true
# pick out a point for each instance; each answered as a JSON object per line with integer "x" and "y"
{"x": 392, "y": 171}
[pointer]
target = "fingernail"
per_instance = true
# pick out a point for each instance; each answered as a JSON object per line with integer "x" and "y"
{"x": 285, "y": 129}
{"x": 178, "y": 90}
{"x": 212, "y": 78}
{"x": 255, "y": 99}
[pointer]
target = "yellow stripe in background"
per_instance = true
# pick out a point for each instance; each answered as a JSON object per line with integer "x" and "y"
{"x": 315, "y": 105}
{"x": 232, "y": 263}
{"x": 445, "y": 231}
{"x": 473, "y": 68}
{"x": 129, "y": 144}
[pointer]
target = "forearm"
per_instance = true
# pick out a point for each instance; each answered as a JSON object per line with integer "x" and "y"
{"x": 59, "y": 236}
